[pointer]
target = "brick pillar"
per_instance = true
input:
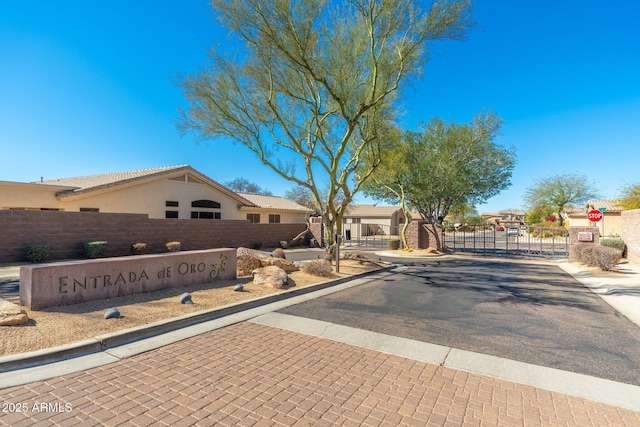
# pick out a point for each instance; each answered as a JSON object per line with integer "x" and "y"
{"x": 316, "y": 228}
{"x": 421, "y": 235}
{"x": 582, "y": 235}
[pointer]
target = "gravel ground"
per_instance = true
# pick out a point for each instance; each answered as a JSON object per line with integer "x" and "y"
{"x": 62, "y": 325}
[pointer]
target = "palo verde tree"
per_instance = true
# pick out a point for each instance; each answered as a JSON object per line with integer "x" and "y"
{"x": 387, "y": 182}
{"x": 560, "y": 192}
{"x": 450, "y": 165}
{"x": 312, "y": 89}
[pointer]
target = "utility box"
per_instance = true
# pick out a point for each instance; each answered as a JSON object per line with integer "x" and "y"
{"x": 585, "y": 236}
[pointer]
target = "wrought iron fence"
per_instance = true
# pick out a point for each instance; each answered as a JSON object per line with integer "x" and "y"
{"x": 363, "y": 234}
{"x": 509, "y": 240}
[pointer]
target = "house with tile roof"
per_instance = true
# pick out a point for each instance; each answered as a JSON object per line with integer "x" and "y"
{"x": 273, "y": 210}
{"x": 505, "y": 217}
{"x": 166, "y": 192}
{"x": 610, "y": 225}
{"x": 369, "y": 220}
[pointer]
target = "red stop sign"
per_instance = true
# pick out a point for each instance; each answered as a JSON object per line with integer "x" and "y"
{"x": 594, "y": 215}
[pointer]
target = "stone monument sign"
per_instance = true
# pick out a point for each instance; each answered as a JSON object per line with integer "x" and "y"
{"x": 72, "y": 282}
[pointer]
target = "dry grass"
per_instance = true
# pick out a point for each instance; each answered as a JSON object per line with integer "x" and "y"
{"x": 67, "y": 324}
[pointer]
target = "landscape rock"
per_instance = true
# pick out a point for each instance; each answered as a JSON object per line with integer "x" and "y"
{"x": 242, "y": 251}
{"x": 272, "y": 276}
{"x": 247, "y": 263}
{"x": 112, "y": 313}
{"x": 278, "y": 253}
{"x": 287, "y": 266}
{"x": 12, "y": 314}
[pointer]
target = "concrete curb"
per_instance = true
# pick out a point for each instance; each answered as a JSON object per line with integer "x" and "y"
{"x": 410, "y": 255}
{"x": 107, "y": 341}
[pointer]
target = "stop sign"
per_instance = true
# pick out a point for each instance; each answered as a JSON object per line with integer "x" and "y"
{"x": 594, "y": 215}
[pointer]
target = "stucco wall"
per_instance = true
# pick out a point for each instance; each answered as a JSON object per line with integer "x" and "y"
{"x": 630, "y": 233}
{"x": 28, "y": 196}
{"x": 151, "y": 197}
{"x": 285, "y": 217}
{"x": 65, "y": 233}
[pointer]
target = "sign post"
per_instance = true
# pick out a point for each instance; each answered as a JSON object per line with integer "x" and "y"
{"x": 595, "y": 215}
{"x": 602, "y": 210}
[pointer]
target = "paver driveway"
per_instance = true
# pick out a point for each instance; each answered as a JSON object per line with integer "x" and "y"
{"x": 522, "y": 310}
{"x": 253, "y": 375}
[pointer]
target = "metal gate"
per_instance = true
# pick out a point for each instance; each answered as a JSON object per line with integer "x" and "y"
{"x": 514, "y": 240}
{"x": 363, "y": 234}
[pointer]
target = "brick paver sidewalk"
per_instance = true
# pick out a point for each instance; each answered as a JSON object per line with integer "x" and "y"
{"x": 254, "y": 375}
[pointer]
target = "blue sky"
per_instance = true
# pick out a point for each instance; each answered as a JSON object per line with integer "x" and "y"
{"x": 90, "y": 87}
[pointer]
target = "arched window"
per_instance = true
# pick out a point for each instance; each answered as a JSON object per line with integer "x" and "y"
{"x": 205, "y": 204}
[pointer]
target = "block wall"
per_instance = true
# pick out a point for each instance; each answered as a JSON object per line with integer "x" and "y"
{"x": 630, "y": 233}
{"x": 66, "y": 232}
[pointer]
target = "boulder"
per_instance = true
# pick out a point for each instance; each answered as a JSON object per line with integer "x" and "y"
{"x": 287, "y": 266}
{"x": 271, "y": 275}
{"x": 247, "y": 263}
{"x": 278, "y": 253}
{"x": 12, "y": 314}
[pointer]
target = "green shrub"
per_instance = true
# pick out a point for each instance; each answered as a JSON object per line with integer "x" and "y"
{"x": 37, "y": 252}
{"x": 94, "y": 248}
{"x": 394, "y": 245}
{"x": 138, "y": 249}
{"x": 615, "y": 243}
{"x": 318, "y": 268}
{"x": 282, "y": 244}
{"x": 173, "y": 246}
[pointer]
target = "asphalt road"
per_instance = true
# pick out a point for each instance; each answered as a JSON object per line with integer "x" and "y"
{"x": 520, "y": 310}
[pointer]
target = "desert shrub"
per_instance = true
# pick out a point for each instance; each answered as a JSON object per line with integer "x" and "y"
{"x": 318, "y": 268}
{"x": 578, "y": 250}
{"x": 587, "y": 255}
{"x": 394, "y": 245}
{"x": 173, "y": 246}
{"x": 138, "y": 249}
{"x": 615, "y": 243}
{"x": 37, "y": 252}
{"x": 282, "y": 244}
{"x": 606, "y": 257}
{"x": 278, "y": 253}
{"x": 94, "y": 248}
{"x": 256, "y": 245}
{"x": 247, "y": 263}
{"x": 548, "y": 229}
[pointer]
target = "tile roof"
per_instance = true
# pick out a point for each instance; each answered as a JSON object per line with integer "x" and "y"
{"x": 274, "y": 202}
{"x": 611, "y": 205}
{"x": 370, "y": 211}
{"x": 83, "y": 184}
{"x": 106, "y": 179}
